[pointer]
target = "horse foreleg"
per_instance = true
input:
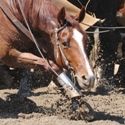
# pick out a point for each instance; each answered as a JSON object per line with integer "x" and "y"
{"x": 19, "y": 59}
{"x": 25, "y": 83}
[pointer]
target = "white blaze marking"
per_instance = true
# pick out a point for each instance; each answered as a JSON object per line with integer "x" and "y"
{"x": 79, "y": 39}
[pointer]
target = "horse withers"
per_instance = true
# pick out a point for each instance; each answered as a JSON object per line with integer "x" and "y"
{"x": 61, "y": 39}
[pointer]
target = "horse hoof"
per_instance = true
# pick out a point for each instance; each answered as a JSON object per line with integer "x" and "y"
{"x": 81, "y": 110}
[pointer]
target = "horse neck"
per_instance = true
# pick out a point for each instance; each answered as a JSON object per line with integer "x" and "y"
{"x": 39, "y": 13}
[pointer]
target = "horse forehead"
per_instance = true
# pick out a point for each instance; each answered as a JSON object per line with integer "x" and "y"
{"x": 78, "y": 36}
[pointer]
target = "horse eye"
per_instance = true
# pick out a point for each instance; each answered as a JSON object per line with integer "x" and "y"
{"x": 65, "y": 44}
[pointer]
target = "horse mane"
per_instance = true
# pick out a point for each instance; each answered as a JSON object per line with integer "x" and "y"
{"x": 36, "y": 11}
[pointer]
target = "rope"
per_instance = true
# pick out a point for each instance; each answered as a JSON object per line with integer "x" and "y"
{"x": 87, "y": 4}
{"x": 108, "y": 28}
{"x": 100, "y": 32}
{"x": 80, "y": 3}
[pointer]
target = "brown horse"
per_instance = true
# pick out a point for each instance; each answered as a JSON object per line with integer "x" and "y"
{"x": 59, "y": 35}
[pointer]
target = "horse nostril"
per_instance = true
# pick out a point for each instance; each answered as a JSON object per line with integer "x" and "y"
{"x": 91, "y": 80}
{"x": 84, "y": 78}
{"x": 86, "y": 82}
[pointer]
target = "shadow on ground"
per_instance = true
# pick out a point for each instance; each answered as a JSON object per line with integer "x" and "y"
{"x": 15, "y": 105}
{"x": 104, "y": 116}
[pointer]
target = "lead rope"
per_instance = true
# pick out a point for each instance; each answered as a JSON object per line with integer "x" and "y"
{"x": 33, "y": 38}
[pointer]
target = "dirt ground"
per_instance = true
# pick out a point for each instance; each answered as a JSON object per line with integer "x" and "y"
{"x": 109, "y": 108}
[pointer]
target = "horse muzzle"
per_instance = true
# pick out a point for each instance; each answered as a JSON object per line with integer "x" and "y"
{"x": 86, "y": 83}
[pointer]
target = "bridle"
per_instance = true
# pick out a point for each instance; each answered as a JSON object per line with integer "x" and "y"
{"x": 59, "y": 46}
{"x": 60, "y": 49}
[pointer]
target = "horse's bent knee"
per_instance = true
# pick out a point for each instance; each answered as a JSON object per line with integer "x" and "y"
{"x": 4, "y": 48}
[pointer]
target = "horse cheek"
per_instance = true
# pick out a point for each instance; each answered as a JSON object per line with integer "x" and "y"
{"x": 57, "y": 56}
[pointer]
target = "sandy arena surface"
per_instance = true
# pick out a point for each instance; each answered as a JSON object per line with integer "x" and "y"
{"x": 35, "y": 110}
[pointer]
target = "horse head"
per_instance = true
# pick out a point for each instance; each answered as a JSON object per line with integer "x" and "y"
{"x": 70, "y": 45}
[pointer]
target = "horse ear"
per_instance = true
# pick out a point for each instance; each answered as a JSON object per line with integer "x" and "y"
{"x": 61, "y": 16}
{"x": 81, "y": 15}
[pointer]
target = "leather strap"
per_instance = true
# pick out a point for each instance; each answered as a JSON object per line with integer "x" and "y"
{"x": 14, "y": 20}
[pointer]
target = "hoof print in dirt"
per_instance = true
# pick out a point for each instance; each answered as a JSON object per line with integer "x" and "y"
{"x": 75, "y": 109}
